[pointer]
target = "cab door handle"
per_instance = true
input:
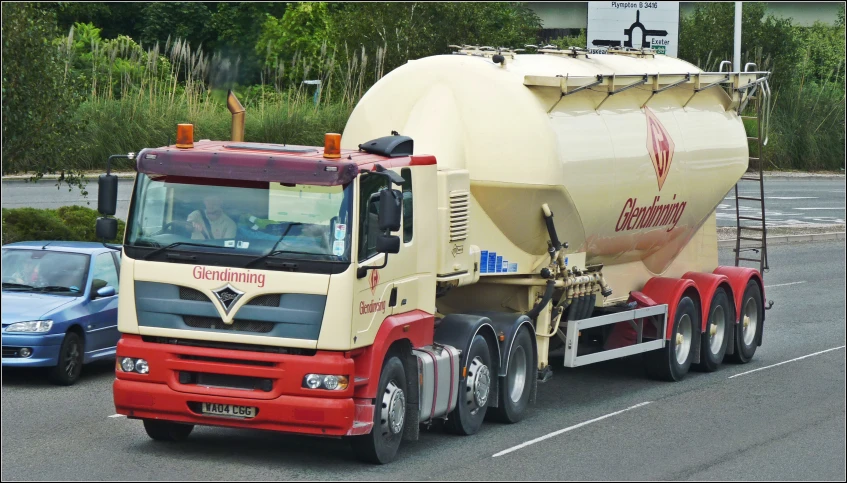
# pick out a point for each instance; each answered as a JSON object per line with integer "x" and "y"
{"x": 392, "y": 300}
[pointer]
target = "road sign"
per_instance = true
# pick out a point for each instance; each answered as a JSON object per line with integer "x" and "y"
{"x": 633, "y": 24}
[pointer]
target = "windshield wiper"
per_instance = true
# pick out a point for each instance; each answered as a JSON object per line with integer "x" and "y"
{"x": 17, "y": 285}
{"x": 161, "y": 249}
{"x": 55, "y": 288}
{"x": 273, "y": 250}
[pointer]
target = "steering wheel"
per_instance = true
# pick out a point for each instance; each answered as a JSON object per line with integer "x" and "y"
{"x": 180, "y": 228}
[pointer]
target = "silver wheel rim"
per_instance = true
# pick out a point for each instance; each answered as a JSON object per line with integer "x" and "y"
{"x": 751, "y": 320}
{"x": 393, "y": 412}
{"x": 517, "y": 374}
{"x": 717, "y": 328}
{"x": 683, "y": 339}
{"x": 477, "y": 385}
{"x": 71, "y": 362}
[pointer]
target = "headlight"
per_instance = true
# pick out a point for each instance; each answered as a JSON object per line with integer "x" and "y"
{"x": 31, "y": 326}
{"x": 141, "y": 366}
{"x": 328, "y": 382}
{"x": 127, "y": 364}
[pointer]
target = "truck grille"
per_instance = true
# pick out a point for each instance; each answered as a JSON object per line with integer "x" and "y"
{"x": 215, "y": 323}
{"x": 458, "y": 215}
{"x": 226, "y": 381}
{"x": 267, "y": 300}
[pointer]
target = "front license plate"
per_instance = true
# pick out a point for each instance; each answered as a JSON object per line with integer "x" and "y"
{"x": 229, "y": 410}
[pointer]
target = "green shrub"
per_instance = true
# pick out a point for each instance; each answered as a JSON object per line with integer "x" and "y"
{"x": 68, "y": 223}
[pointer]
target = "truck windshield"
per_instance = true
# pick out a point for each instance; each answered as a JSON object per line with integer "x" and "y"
{"x": 246, "y": 219}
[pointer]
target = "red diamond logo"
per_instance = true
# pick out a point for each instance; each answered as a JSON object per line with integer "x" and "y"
{"x": 660, "y": 146}
{"x": 374, "y": 280}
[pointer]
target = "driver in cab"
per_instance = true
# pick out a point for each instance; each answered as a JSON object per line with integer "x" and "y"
{"x": 211, "y": 222}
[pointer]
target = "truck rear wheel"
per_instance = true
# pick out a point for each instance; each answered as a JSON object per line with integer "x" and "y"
{"x": 747, "y": 330}
{"x": 381, "y": 444}
{"x": 167, "y": 430}
{"x": 473, "y": 396}
{"x": 515, "y": 388}
{"x": 673, "y": 361}
{"x": 714, "y": 341}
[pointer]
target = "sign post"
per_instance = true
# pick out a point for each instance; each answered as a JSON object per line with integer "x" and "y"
{"x": 635, "y": 25}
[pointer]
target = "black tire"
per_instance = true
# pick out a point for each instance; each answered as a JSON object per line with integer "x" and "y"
{"x": 663, "y": 364}
{"x": 380, "y": 446}
{"x": 722, "y": 315}
{"x": 751, "y": 304}
{"x": 513, "y": 400}
{"x": 167, "y": 430}
{"x": 71, "y": 353}
{"x": 467, "y": 418}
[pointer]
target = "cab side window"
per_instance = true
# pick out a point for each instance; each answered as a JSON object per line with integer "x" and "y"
{"x": 105, "y": 272}
{"x": 369, "y": 187}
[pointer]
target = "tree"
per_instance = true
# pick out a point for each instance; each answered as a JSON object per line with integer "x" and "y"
{"x": 38, "y": 99}
{"x": 184, "y": 20}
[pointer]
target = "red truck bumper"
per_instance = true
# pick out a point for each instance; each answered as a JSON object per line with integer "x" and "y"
{"x": 179, "y": 383}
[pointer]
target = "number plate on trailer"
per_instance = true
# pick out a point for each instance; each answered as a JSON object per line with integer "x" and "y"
{"x": 229, "y": 410}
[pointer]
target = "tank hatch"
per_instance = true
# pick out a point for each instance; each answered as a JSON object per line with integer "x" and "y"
{"x": 393, "y": 146}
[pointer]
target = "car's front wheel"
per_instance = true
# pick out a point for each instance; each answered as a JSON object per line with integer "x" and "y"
{"x": 67, "y": 371}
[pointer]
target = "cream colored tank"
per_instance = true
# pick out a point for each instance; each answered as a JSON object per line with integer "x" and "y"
{"x": 626, "y": 183}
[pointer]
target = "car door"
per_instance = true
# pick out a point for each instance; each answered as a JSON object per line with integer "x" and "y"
{"x": 102, "y": 326}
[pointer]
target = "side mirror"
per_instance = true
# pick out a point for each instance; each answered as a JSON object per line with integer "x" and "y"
{"x": 389, "y": 210}
{"x": 106, "y": 291}
{"x": 106, "y": 228}
{"x": 107, "y": 194}
{"x": 388, "y": 244}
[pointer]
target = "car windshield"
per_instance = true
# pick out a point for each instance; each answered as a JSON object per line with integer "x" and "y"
{"x": 61, "y": 273}
{"x": 234, "y": 217}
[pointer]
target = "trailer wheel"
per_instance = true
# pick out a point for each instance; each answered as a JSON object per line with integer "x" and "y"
{"x": 714, "y": 341}
{"x": 167, "y": 430}
{"x": 673, "y": 361}
{"x": 473, "y": 396}
{"x": 381, "y": 444}
{"x": 747, "y": 330}
{"x": 516, "y": 386}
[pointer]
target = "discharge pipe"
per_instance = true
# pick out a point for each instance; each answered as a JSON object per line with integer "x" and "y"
{"x": 237, "y": 111}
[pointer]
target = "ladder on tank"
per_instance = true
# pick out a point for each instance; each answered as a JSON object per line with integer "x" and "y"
{"x": 751, "y": 235}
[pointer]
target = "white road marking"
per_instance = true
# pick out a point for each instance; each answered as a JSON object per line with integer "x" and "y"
{"x": 117, "y": 416}
{"x": 784, "y": 284}
{"x": 786, "y": 362}
{"x": 561, "y": 431}
{"x": 791, "y": 197}
{"x": 827, "y": 209}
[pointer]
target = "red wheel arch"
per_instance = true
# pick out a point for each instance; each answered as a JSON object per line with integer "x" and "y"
{"x": 417, "y": 327}
{"x": 669, "y": 291}
{"x": 738, "y": 279}
{"x": 707, "y": 285}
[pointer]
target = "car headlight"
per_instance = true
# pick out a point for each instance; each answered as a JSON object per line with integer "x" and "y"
{"x": 31, "y": 326}
{"x": 328, "y": 382}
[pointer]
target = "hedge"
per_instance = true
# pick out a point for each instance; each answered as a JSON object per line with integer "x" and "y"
{"x": 68, "y": 223}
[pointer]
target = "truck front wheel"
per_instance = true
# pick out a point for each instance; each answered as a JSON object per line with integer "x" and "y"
{"x": 381, "y": 444}
{"x": 167, "y": 430}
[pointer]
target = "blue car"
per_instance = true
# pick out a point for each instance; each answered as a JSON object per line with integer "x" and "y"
{"x": 60, "y": 306}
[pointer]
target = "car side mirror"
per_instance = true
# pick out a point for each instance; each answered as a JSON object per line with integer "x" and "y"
{"x": 389, "y": 210}
{"x": 106, "y": 228}
{"x": 388, "y": 244}
{"x": 107, "y": 194}
{"x": 106, "y": 291}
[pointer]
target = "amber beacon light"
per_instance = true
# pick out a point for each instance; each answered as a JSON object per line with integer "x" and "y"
{"x": 332, "y": 145}
{"x": 185, "y": 136}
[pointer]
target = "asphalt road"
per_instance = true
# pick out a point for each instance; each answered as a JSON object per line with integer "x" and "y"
{"x": 784, "y": 422}
{"x": 788, "y": 201}
{"x": 801, "y": 202}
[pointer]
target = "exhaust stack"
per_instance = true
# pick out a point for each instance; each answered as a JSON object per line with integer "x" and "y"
{"x": 237, "y": 111}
